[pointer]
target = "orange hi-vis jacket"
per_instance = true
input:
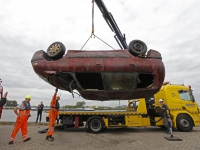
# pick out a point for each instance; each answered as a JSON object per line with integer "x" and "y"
{"x": 21, "y": 122}
{"x": 53, "y": 114}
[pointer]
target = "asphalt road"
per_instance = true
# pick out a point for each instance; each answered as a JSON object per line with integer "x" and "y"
{"x": 150, "y": 138}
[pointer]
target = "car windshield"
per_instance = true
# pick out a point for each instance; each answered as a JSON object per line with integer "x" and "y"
{"x": 120, "y": 81}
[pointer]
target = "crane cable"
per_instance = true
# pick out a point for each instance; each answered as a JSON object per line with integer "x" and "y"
{"x": 93, "y": 18}
{"x": 92, "y": 34}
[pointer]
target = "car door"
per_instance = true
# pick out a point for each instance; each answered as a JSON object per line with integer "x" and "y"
{"x": 86, "y": 68}
{"x": 86, "y": 61}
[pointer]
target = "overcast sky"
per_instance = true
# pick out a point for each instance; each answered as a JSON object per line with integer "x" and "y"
{"x": 26, "y": 26}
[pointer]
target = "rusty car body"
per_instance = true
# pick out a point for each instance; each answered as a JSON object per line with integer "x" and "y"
{"x": 103, "y": 75}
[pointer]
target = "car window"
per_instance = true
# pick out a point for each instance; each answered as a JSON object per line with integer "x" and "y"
{"x": 90, "y": 81}
{"x": 120, "y": 81}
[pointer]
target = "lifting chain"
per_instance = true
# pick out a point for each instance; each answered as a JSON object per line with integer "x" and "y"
{"x": 92, "y": 34}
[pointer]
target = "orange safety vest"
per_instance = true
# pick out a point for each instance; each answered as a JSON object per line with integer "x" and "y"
{"x": 25, "y": 111}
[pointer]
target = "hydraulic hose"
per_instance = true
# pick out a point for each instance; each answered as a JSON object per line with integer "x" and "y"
{"x": 157, "y": 120}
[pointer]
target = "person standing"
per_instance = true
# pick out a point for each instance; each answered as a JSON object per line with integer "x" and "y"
{"x": 39, "y": 111}
{"x": 23, "y": 113}
{"x": 165, "y": 108}
{"x": 53, "y": 115}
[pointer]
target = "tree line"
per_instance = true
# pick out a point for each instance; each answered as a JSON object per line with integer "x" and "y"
{"x": 78, "y": 105}
{"x": 11, "y": 103}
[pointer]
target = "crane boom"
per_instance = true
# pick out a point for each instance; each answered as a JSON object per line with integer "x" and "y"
{"x": 119, "y": 37}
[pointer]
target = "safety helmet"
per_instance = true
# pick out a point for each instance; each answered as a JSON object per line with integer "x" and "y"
{"x": 28, "y": 97}
{"x": 160, "y": 100}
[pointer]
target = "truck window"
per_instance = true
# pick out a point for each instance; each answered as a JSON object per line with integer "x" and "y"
{"x": 185, "y": 95}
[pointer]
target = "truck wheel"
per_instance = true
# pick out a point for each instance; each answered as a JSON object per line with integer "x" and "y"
{"x": 56, "y": 50}
{"x": 95, "y": 124}
{"x": 137, "y": 47}
{"x": 184, "y": 123}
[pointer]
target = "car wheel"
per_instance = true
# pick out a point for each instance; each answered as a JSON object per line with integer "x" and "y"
{"x": 56, "y": 50}
{"x": 137, "y": 47}
{"x": 184, "y": 123}
{"x": 95, "y": 124}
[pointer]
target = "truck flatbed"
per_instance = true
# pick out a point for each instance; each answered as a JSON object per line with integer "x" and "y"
{"x": 100, "y": 113}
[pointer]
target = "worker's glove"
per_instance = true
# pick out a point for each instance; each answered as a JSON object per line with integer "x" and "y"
{"x": 56, "y": 90}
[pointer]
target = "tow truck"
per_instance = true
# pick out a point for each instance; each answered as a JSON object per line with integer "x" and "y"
{"x": 142, "y": 112}
{"x": 2, "y": 98}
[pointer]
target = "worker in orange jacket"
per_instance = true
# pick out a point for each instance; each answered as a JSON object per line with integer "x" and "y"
{"x": 22, "y": 118}
{"x": 53, "y": 115}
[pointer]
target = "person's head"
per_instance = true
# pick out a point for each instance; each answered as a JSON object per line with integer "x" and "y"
{"x": 161, "y": 101}
{"x": 57, "y": 98}
{"x": 41, "y": 102}
{"x": 27, "y": 98}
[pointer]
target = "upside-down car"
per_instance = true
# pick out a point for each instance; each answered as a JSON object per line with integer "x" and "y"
{"x": 102, "y": 75}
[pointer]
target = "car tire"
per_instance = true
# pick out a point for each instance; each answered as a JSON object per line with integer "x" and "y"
{"x": 56, "y": 50}
{"x": 137, "y": 47}
{"x": 95, "y": 124}
{"x": 184, "y": 123}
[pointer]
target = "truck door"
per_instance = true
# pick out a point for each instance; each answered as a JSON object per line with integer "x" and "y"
{"x": 187, "y": 101}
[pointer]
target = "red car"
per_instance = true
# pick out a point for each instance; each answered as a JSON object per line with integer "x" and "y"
{"x": 102, "y": 75}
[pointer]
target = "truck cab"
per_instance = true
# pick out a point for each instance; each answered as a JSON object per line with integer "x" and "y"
{"x": 182, "y": 106}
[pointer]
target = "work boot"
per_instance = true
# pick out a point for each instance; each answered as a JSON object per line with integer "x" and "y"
{"x": 10, "y": 142}
{"x": 27, "y": 139}
{"x": 172, "y": 136}
{"x": 50, "y": 138}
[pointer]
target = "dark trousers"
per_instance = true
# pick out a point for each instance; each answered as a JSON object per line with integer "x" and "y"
{"x": 166, "y": 123}
{"x": 39, "y": 114}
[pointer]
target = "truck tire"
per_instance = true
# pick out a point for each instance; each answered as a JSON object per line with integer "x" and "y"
{"x": 137, "y": 47}
{"x": 184, "y": 123}
{"x": 95, "y": 124}
{"x": 56, "y": 50}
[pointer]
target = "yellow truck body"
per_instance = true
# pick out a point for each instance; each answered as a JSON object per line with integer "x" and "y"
{"x": 183, "y": 110}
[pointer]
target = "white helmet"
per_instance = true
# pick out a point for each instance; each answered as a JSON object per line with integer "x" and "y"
{"x": 160, "y": 100}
